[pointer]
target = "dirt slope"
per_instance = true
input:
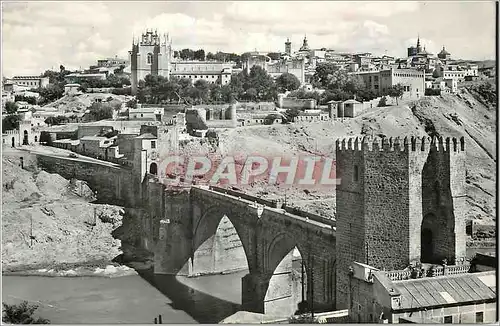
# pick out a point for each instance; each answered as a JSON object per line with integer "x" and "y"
{"x": 447, "y": 115}
{"x": 61, "y": 216}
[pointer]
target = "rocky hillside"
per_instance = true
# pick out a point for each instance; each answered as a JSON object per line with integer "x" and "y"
{"x": 61, "y": 216}
{"x": 469, "y": 113}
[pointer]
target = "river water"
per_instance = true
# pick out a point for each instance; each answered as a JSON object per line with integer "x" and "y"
{"x": 134, "y": 299}
{"x": 128, "y": 299}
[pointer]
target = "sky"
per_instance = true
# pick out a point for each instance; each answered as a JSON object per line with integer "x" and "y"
{"x": 37, "y": 36}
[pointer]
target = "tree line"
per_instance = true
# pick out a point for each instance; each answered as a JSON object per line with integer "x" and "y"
{"x": 341, "y": 86}
{"x": 201, "y": 55}
{"x": 256, "y": 85}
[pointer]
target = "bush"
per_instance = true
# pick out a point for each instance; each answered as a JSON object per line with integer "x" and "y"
{"x": 382, "y": 102}
{"x": 432, "y": 92}
{"x": 21, "y": 314}
{"x": 122, "y": 91}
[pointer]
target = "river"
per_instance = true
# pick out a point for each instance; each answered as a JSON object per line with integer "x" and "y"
{"x": 134, "y": 299}
{"x": 128, "y": 299}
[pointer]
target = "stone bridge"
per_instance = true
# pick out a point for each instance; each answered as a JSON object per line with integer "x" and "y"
{"x": 200, "y": 230}
{"x": 210, "y": 230}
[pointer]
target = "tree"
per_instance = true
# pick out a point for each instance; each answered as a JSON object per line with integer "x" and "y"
{"x": 337, "y": 80}
{"x": 262, "y": 82}
{"x": 11, "y": 122}
{"x": 11, "y": 107}
{"x": 131, "y": 103}
{"x": 250, "y": 94}
{"x": 201, "y": 90}
{"x": 100, "y": 111}
{"x": 51, "y": 93}
{"x": 354, "y": 84}
{"x": 287, "y": 82}
{"x": 396, "y": 91}
{"x": 187, "y": 54}
{"x": 323, "y": 70}
{"x": 21, "y": 314}
{"x": 382, "y": 102}
{"x": 290, "y": 114}
{"x": 199, "y": 55}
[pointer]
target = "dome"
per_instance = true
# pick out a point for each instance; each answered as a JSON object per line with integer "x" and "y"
{"x": 444, "y": 52}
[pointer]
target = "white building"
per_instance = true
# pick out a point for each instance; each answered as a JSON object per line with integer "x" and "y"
{"x": 140, "y": 113}
{"x": 30, "y": 81}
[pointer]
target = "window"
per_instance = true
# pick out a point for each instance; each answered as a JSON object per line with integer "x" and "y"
{"x": 142, "y": 115}
{"x": 448, "y": 319}
{"x": 153, "y": 144}
{"x": 150, "y": 58}
{"x": 479, "y": 317}
{"x": 356, "y": 173}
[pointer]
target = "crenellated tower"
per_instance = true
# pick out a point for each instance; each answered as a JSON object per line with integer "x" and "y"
{"x": 399, "y": 201}
{"x": 150, "y": 55}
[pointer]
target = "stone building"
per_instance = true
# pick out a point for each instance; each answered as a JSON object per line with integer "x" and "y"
{"x": 398, "y": 202}
{"x": 29, "y": 81}
{"x": 210, "y": 71}
{"x": 294, "y": 66}
{"x": 453, "y": 296}
{"x": 151, "y": 55}
{"x": 412, "y": 80}
{"x": 23, "y": 135}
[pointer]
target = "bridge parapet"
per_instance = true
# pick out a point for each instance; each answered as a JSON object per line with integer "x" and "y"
{"x": 275, "y": 204}
{"x": 270, "y": 203}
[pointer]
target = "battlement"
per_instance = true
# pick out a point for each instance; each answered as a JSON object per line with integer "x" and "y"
{"x": 412, "y": 143}
{"x": 11, "y": 132}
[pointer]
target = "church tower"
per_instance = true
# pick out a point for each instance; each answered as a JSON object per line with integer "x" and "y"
{"x": 288, "y": 47}
{"x": 419, "y": 47}
{"x": 151, "y": 55}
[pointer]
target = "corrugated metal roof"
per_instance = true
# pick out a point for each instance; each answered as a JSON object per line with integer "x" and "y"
{"x": 442, "y": 290}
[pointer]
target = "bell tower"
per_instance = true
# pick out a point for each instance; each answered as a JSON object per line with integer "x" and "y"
{"x": 150, "y": 55}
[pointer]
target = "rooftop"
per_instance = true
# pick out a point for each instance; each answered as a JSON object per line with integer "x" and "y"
{"x": 146, "y": 136}
{"x": 97, "y": 138}
{"x": 447, "y": 289}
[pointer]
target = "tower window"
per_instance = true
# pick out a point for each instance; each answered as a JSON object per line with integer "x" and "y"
{"x": 150, "y": 58}
{"x": 356, "y": 173}
{"x": 153, "y": 144}
{"x": 479, "y": 317}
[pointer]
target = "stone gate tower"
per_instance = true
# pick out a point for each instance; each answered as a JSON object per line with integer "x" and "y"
{"x": 398, "y": 202}
{"x": 151, "y": 55}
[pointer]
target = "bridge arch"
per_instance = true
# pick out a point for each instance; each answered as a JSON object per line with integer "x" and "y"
{"x": 220, "y": 243}
{"x": 286, "y": 291}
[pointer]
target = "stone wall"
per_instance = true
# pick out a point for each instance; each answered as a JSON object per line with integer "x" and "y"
{"x": 113, "y": 184}
{"x": 392, "y": 189}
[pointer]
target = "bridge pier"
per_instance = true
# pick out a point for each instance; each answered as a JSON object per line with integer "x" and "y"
{"x": 253, "y": 292}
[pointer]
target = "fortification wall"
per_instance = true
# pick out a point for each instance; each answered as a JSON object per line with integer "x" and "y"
{"x": 397, "y": 184}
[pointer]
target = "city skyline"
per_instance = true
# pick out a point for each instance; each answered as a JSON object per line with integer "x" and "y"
{"x": 78, "y": 33}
